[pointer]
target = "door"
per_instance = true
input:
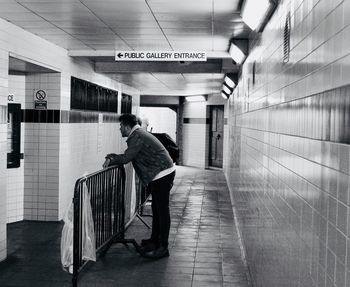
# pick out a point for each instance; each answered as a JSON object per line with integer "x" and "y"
{"x": 216, "y": 135}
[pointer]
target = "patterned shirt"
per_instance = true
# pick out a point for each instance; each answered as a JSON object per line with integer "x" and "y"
{"x": 148, "y": 156}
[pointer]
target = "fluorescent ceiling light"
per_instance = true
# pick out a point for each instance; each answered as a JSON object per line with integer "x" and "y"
{"x": 195, "y": 99}
{"x": 254, "y": 11}
{"x": 224, "y": 95}
{"x": 229, "y": 82}
{"x": 226, "y": 90}
{"x": 236, "y": 54}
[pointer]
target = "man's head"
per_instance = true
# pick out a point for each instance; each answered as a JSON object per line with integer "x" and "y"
{"x": 127, "y": 122}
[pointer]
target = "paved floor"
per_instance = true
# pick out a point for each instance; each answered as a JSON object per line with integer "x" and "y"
{"x": 204, "y": 246}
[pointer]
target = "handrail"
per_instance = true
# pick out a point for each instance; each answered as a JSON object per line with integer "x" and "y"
{"x": 107, "y": 192}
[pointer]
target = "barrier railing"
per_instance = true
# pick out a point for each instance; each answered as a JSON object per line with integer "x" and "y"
{"x": 107, "y": 198}
{"x": 142, "y": 196}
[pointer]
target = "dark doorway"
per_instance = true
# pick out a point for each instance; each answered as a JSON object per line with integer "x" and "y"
{"x": 216, "y": 136}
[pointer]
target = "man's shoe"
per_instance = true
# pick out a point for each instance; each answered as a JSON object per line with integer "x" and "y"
{"x": 146, "y": 241}
{"x": 150, "y": 246}
{"x": 160, "y": 252}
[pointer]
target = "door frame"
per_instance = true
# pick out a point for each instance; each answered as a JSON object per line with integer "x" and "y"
{"x": 209, "y": 135}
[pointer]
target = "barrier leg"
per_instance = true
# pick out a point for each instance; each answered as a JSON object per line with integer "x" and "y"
{"x": 144, "y": 222}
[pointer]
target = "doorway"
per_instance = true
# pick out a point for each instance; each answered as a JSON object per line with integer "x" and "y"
{"x": 216, "y": 136}
{"x": 159, "y": 120}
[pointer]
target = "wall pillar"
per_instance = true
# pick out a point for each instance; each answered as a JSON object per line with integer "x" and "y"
{"x": 4, "y": 59}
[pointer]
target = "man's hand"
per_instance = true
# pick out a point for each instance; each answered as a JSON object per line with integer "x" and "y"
{"x": 106, "y": 163}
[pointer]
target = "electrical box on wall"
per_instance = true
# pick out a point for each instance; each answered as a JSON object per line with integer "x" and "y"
{"x": 14, "y": 136}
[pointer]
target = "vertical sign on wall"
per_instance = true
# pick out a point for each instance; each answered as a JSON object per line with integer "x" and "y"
{"x": 40, "y": 100}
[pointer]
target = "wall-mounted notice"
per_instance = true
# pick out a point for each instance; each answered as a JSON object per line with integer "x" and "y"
{"x": 40, "y": 99}
{"x": 173, "y": 56}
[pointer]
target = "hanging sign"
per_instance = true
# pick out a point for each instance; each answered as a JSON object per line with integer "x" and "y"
{"x": 174, "y": 56}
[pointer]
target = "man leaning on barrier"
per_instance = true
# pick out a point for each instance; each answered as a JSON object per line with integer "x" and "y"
{"x": 156, "y": 170}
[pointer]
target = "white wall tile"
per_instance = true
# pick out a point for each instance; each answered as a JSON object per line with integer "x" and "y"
{"x": 293, "y": 183}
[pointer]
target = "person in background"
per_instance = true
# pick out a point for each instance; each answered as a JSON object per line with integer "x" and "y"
{"x": 156, "y": 170}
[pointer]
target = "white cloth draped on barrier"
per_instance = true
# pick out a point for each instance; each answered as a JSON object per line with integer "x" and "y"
{"x": 88, "y": 233}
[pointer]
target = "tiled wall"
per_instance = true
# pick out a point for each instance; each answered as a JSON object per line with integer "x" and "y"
{"x": 289, "y": 149}
{"x": 83, "y": 147}
{"x": 41, "y": 152}
{"x": 3, "y": 146}
{"x": 41, "y": 171}
{"x": 15, "y": 176}
{"x": 54, "y": 140}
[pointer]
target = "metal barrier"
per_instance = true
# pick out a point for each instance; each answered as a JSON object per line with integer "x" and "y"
{"x": 107, "y": 192}
{"x": 142, "y": 197}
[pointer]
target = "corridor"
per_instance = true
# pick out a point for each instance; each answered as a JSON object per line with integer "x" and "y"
{"x": 204, "y": 245}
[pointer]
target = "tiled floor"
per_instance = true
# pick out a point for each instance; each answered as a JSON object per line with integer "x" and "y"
{"x": 204, "y": 246}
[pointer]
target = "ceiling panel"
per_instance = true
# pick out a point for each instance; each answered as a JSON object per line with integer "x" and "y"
{"x": 34, "y": 24}
{"x": 47, "y": 31}
{"x": 180, "y": 17}
{"x": 183, "y": 7}
{"x": 109, "y": 25}
{"x": 190, "y": 24}
{"x": 79, "y": 17}
{"x": 149, "y": 46}
{"x": 25, "y": 16}
{"x": 111, "y": 17}
{"x": 101, "y": 37}
{"x": 202, "y": 77}
{"x": 188, "y": 32}
{"x": 89, "y": 32}
{"x": 168, "y": 77}
{"x": 143, "y": 38}
{"x": 12, "y": 7}
{"x": 117, "y": 6}
{"x": 70, "y": 7}
{"x": 79, "y": 23}
{"x": 138, "y": 23}
{"x": 42, "y": 1}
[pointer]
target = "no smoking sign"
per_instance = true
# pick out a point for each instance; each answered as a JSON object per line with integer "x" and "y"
{"x": 40, "y": 95}
{"x": 40, "y": 101}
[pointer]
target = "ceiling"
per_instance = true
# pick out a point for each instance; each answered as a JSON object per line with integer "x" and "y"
{"x": 95, "y": 29}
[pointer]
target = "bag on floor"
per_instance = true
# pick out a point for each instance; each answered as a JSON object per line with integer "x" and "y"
{"x": 67, "y": 240}
{"x": 88, "y": 234}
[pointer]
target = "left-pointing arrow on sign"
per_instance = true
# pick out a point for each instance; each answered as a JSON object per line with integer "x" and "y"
{"x": 120, "y": 55}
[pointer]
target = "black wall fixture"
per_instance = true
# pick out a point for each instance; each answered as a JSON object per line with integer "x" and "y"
{"x": 126, "y": 104}
{"x": 89, "y": 96}
{"x": 14, "y": 135}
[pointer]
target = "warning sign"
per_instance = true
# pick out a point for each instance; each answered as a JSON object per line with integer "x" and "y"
{"x": 161, "y": 56}
{"x": 40, "y": 101}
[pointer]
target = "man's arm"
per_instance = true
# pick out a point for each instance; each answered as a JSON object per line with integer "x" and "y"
{"x": 134, "y": 146}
